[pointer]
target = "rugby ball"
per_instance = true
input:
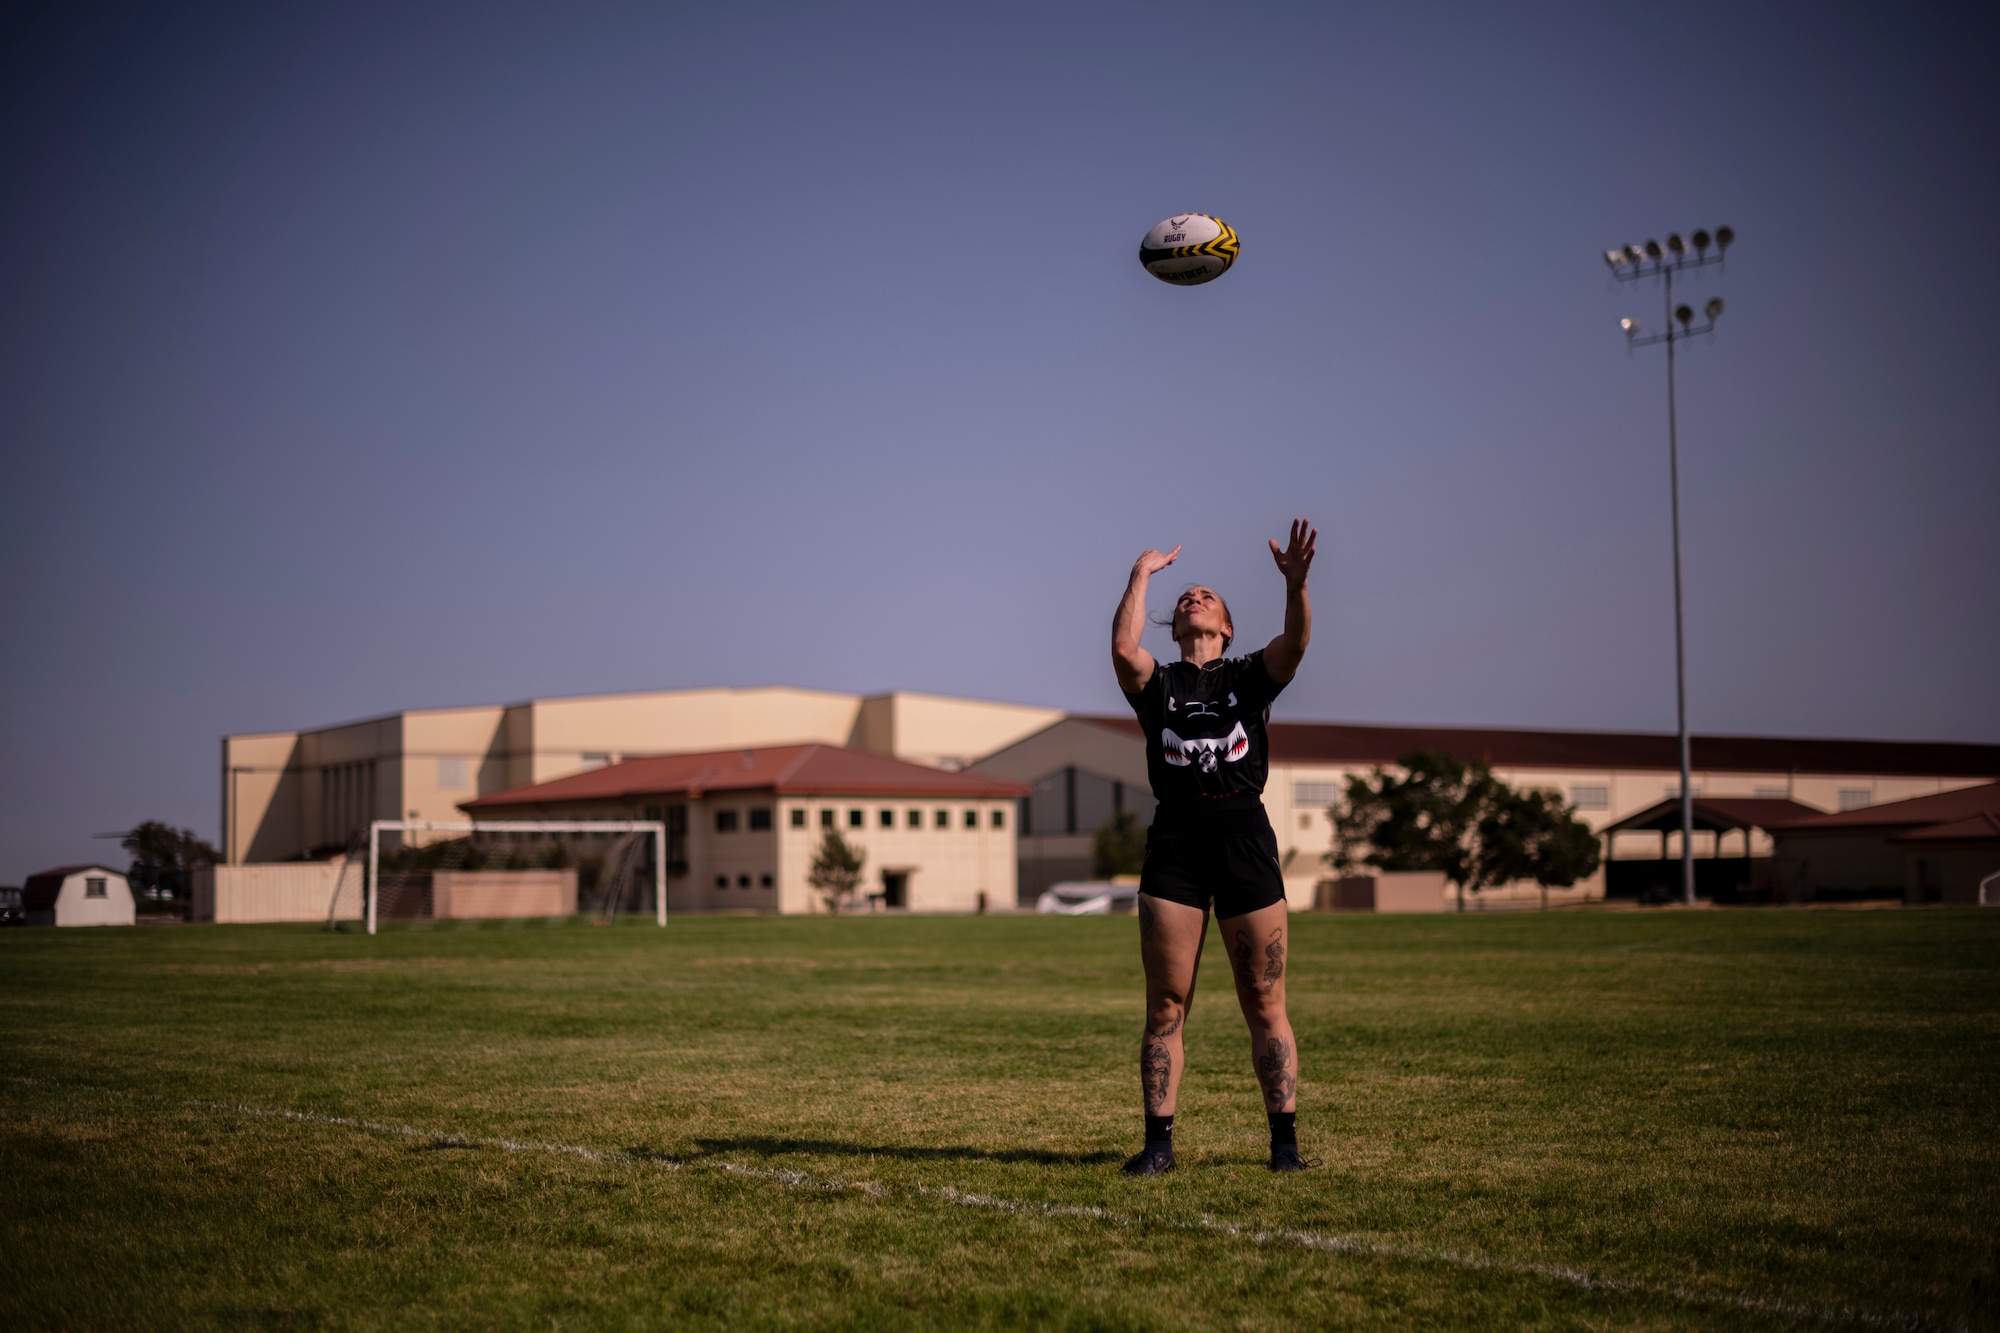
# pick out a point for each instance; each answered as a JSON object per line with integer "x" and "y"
{"x": 1189, "y": 249}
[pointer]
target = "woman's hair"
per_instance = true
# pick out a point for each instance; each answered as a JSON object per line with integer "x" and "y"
{"x": 1228, "y": 636}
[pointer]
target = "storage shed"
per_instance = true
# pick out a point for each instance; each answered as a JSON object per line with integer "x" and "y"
{"x": 86, "y": 895}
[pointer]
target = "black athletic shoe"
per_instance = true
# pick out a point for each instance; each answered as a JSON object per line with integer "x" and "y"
{"x": 1155, "y": 1159}
{"x": 1285, "y": 1157}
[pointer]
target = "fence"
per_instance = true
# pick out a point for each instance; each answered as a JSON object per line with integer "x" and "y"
{"x": 303, "y": 891}
{"x": 290, "y": 891}
{"x": 1383, "y": 891}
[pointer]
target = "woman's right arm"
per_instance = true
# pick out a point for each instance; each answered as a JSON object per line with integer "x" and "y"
{"x": 1131, "y": 661}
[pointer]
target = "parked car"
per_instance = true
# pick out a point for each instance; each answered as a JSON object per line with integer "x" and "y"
{"x": 1088, "y": 898}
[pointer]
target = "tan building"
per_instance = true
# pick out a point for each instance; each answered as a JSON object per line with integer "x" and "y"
{"x": 1079, "y": 768}
{"x": 287, "y": 794}
{"x": 743, "y": 825}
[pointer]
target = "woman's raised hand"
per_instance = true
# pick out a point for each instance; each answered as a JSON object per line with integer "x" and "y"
{"x": 1297, "y": 557}
{"x": 1152, "y": 562}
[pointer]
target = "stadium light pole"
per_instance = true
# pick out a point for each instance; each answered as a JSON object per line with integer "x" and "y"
{"x": 1631, "y": 264}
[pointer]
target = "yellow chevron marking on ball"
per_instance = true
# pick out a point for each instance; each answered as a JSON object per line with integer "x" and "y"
{"x": 1189, "y": 249}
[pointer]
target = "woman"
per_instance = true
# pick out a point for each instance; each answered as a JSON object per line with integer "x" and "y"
{"x": 1211, "y": 843}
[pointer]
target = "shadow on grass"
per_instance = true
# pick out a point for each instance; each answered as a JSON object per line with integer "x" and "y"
{"x": 826, "y": 1148}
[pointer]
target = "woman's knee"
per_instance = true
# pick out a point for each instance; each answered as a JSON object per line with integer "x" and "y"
{"x": 1265, "y": 1010}
{"x": 1165, "y": 1012}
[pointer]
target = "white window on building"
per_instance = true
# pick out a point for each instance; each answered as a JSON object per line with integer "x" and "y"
{"x": 1315, "y": 793}
{"x": 94, "y": 887}
{"x": 799, "y": 816}
{"x": 597, "y": 761}
{"x": 452, "y": 773}
{"x": 1673, "y": 789}
{"x": 1856, "y": 798}
{"x": 1773, "y": 793}
{"x": 972, "y": 819}
{"x": 1588, "y": 797}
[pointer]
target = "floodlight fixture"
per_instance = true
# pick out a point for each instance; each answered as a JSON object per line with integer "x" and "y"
{"x": 1635, "y": 255}
{"x": 1631, "y": 327}
{"x": 1685, "y": 314}
{"x": 1701, "y": 239}
{"x": 1652, "y": 249}
{"x": 1725, "y": 237}
{"x": 1675, "y": 245}
{"x": 1713, "y": 309}
{"x": 1615, "y": 258}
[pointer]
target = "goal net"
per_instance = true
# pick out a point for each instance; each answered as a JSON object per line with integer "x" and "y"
{"x": 438, "y": 869}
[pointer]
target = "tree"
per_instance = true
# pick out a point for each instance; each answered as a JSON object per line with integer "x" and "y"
{"x": 1423, "y": 819}
{"x": 1119, "y": 847}
{"x": 1451, "y": 815}
{"x": 164, "y": 859}
{"x": 836, "y": 870}
{"x": 1534, "y": 835}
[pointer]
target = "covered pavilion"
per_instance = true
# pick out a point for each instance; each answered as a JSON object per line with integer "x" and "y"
{"x": 1717, "y": 877}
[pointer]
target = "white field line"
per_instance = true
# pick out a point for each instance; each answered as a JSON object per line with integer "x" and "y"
{"x": 1303, "y": 1240}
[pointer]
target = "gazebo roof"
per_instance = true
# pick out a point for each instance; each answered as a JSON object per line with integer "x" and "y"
{"x": 1715, "y": 814}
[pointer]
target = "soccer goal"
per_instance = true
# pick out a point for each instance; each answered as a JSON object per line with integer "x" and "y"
{"x": 608, "y": 856}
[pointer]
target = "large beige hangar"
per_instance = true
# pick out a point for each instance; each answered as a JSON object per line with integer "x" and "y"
{"x": 288, "y": 794}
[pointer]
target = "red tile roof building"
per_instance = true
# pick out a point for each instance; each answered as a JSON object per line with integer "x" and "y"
{"x": 1940, "y": 848}
{"x": 744, "y": 824}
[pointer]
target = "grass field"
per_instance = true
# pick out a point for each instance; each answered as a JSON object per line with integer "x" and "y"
{"x": 1673, "y": 1119}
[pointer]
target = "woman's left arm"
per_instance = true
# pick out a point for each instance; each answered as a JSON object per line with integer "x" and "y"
{"x": 1283, "y": 654}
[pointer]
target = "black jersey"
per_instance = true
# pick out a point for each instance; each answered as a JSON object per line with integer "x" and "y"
{"x": 1205, "y": 741}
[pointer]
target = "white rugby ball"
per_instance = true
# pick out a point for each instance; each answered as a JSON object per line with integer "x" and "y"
{"x": 1189, "y": 249}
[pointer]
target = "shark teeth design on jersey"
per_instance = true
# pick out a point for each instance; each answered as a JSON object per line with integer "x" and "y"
{"x": 1205, "y": 752}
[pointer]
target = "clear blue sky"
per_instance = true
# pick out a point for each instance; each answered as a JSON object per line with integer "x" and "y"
{"x": 360, "y": 358}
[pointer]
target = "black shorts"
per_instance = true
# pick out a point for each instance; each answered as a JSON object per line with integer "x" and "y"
{"x": 1226, "y": 859}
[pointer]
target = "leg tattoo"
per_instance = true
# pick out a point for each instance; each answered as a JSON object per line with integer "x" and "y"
{"x": 1274, "y": 1074}
{"x": 1274, "y": 961}
{"x": 1156, "y": 1068}
{"x": 1149, "y": 921}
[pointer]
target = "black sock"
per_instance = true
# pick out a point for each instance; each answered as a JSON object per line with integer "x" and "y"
{"x": 1159, "y": 1129}
{"x": 1284, "y": 1128}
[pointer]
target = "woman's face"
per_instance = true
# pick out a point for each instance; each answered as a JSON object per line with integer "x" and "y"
{"x": 1199, "y": 610}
